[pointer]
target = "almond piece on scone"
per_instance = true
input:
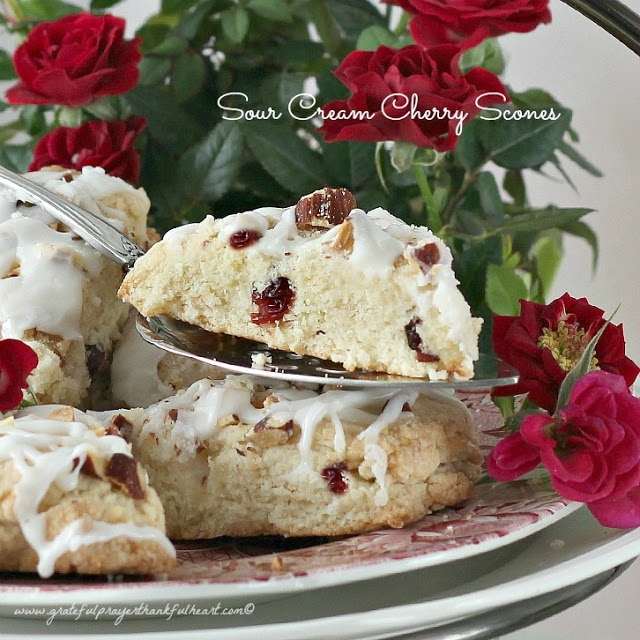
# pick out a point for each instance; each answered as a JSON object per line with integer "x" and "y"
{"x": 74, "y": 500}
{"x": 229, "y": 458}
{"x": 322, "y": 278}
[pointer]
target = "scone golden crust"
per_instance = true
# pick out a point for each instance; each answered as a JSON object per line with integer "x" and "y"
{"x": 323, "y": 279}
{"x": 228, "y": 459}
{"x": 57, "y": 293}
{"x": 73, "y": 499}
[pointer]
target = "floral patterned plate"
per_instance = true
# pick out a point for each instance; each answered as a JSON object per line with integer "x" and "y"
{"x": 496, "y": 515}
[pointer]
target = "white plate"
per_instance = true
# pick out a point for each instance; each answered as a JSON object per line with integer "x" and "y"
{"x": 498, "y": 515}
{"x": 571, "y": 551}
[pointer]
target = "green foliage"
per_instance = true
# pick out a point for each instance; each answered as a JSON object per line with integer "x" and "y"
{"x": 195, "y": 160}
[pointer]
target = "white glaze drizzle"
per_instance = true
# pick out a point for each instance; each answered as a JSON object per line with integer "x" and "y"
{"x": 379, "y": 237}
{"x": 201, "y": 408}
{"x": 47, "y": 291}
{"x": 47, "y": 452}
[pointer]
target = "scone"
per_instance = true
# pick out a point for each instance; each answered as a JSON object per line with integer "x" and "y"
{"x": 233, "y": 459}
{"x": 57, "y": 293}
{"x": 322, "y": 278}
{"x": 74, "y": 500}
{"x": 142, "y": 374}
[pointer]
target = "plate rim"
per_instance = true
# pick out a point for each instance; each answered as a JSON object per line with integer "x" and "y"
{"x": 154, "y": 591}
{"x": 405, "y": 618}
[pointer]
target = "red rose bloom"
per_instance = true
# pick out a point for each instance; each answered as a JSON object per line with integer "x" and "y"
{"x": 591, "y": 450}
{"x": 17, "y": 361}
{"x": 98, "y": 143}
{"x": 395, "y": 88}
{"x": 74, "y": 61}
{"x": 546, "y": 341}
{"x": 440, "y": 21}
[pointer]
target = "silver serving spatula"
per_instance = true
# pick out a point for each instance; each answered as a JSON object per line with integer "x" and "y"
{"x": 235, "y": 355}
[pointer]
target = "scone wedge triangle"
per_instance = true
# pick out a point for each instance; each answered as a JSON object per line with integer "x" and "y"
{"x": 322, "y": 278}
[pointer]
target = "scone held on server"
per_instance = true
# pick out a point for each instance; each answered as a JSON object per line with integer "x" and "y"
{"x": 322, "y": 278}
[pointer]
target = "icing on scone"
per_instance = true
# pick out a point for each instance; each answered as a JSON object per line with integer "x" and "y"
{"x": 47, "y": 452}
{"x": 208, "y": 406}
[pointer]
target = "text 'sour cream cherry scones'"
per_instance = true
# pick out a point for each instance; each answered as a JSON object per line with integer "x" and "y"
{"x": 232, "y": 458}
{"x": 322, "y": 278}
{"x": 57, "y": 293}
{"x": 74, "y": 500}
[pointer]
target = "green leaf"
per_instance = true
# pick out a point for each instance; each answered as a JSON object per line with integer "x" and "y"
{"x": 16, "y": 157}
{"x": 176, "y": 6}
{"x": 154, "y": 70}
{"x": 504, "y": 290}
{"x": 490, "y": 199}
{"x": 402, "y": 155}
{"x": 536, "y": 220}
{"x": 192, "y": 19}
{"x": 548, "y": 254}
{"x": 152, "y": 35}
{"x": 583, "y": 230}
{"x": 506, "y": 404}
{"x": 188, "y": 76}
{"x": 521, "y": 144}
{"x": 98, "y": 5}
{"x": 362, "y": 164}
{"x": 296, "y": 52}
{"x": 7, "y": 72}
{"x": 32, "y": 117}
{"x": 279, "y": 88}
{"x": 235, "y": 24}
{"x": 353, "y": 16}
{"x": 374, "y": 36}
{"x": 8, "y": 131}
{"x": 286, "y": 157}
{"x": 573, "y": 154}
{"x": 109, "y": 108}
{"x": 515, "y": 186}
{"x": 470, "y": 151}
{"x": 580, "y": 369}
{"x": 210, "y": 167}
{"x": 70, "y": 117}
{"x": 326, "y": 25}
{"x": 171, "y": 46}
{"x": 45, "y": 9}
{"x": 487, "y": 55}
{"x": 277, "y": 10}
{"x": 380, "y": 166}
{"x": 167, "y": 121}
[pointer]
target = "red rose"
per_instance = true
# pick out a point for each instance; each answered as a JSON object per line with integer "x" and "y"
{"x": 439, "y": 21}
{"x": 546, "y": 341}
{"x": 384, "y": 85}
{"x": 98, "y": 143}
{"x": 17, "y": 361}
{"x": 74, "y": 61}
{"x": 592, "y": 449}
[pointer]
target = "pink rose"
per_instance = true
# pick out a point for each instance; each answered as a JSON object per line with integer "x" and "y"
{"x": 591, "y": 449}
